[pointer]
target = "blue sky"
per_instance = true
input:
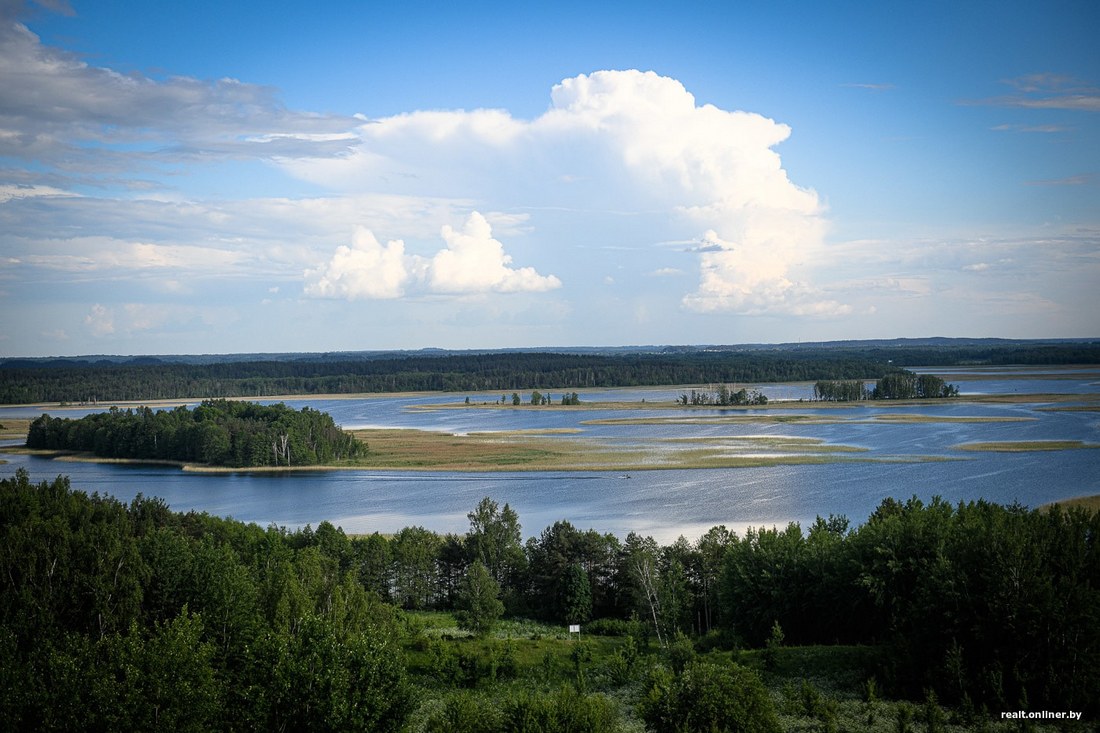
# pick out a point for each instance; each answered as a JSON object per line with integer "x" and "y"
{"x": 232, "y": 177}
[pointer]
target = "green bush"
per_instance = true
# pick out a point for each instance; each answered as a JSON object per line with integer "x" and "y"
{"x": 709, "y": 698}
{"x": 608, "y": 627}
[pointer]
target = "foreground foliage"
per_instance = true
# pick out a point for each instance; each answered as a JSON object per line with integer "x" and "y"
{"x": 927, "y": 616}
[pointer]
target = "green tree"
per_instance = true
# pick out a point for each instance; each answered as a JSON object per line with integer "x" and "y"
{"x": 576, "y": 595}
{"x": 415, "y": 576}
{"x": 495, "y": 539}
{"x": 478, "y": 603}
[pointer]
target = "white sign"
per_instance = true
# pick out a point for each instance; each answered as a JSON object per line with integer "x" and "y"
{"x": 574, "y": 628}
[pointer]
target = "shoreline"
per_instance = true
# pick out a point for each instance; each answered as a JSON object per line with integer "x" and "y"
{"x": 567, "y": 449}
{"x": 1090, "y": 502}
{"x": 427, "y": 452}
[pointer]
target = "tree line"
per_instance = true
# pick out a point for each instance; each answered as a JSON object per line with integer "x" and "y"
{"x": 217, "y": 432}
{"x": 100, "y": 382}
{"x": 116, "y": 616}
{"x": 899, "y": 385}
{"x": 63, "y": 380}
{"x": 723, "y": 396}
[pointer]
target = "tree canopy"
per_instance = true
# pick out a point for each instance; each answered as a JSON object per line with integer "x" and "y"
{"x": 217, "y": 432}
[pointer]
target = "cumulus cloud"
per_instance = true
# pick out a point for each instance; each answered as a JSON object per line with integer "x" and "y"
{"x": 619, "y": 143}
{"x": 472, "y": 262}
{"x": 366, "y": 270}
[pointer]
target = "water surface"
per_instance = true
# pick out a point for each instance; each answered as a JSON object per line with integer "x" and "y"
{"x": 661, "y": 503}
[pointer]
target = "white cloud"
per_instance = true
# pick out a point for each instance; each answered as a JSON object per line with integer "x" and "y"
{"x": 619, "y": 143}
{"x": 124, "y": 320}
{"x": 109, "y": 254}
{"x": 71, "y": 116}
{"x": 366, "y": 270}
{"x": 101, "y": 321}
{"x": 10, "y": 191}
{"x": 473, "y": 262}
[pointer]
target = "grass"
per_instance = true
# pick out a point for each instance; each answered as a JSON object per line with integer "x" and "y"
{"x": 813, "y": 688}
{"x": 713, "y": 420}
{"x": 900, "y": 418}
{"x": 522, "y": 450}
{"x": 804, "y": 419}
{"x": 549, "y": 450}
{"x": 14, "y": 428}
{"x": 1091, "y": 503}
{"x": 1023, "y": 446}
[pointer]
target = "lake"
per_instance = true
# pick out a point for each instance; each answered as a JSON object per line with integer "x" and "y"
{"x": 913, "y": 451}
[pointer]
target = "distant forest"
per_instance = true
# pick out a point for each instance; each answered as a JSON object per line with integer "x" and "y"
{"x": 30, "y": 381}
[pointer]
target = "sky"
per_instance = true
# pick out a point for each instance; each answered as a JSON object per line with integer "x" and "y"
{"x": 210, "y": 177}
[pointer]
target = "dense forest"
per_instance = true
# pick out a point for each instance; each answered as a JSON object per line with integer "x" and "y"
{"x": 134, "y": 617}
{"x": 31, "y": 381}
{"x": 217, "y": 432}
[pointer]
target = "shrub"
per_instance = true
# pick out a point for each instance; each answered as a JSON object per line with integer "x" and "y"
{"x": 708, "y": 697}
{"x": 608, "y": 627}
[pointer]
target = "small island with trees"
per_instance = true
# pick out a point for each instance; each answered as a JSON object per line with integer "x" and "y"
{"x": 216, "y": 433}
{"x": 899, "y": 385}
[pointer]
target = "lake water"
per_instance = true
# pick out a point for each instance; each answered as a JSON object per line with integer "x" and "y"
{"x": 661, "y": 503}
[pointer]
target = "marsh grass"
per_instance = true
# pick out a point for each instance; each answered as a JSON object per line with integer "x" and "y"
{"x": 1023, "y": 446}
{"x": 902, "y": 418}
{"x": 525, "y": 450}
{"x": 14, "y": 428}
{"x": 1091, "y": 503}
{"x": 714, "y": 420}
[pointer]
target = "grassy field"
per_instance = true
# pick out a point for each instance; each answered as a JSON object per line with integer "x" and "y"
{"x": 13, "y": 429}
{"x": 538, "y": 451}
{"x": 1091, "y": 503}
{"x": 803, "y": 419}
{"x": 817, "y": 688}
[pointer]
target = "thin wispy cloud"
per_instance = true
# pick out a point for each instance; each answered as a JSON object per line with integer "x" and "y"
{"x": 870, "y": 87}
{"x": 1047, "y": 91}
{"x": 1045, "y": 129}
{"x": 76, "y": 119}
{"x": 1079, "y": 180}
